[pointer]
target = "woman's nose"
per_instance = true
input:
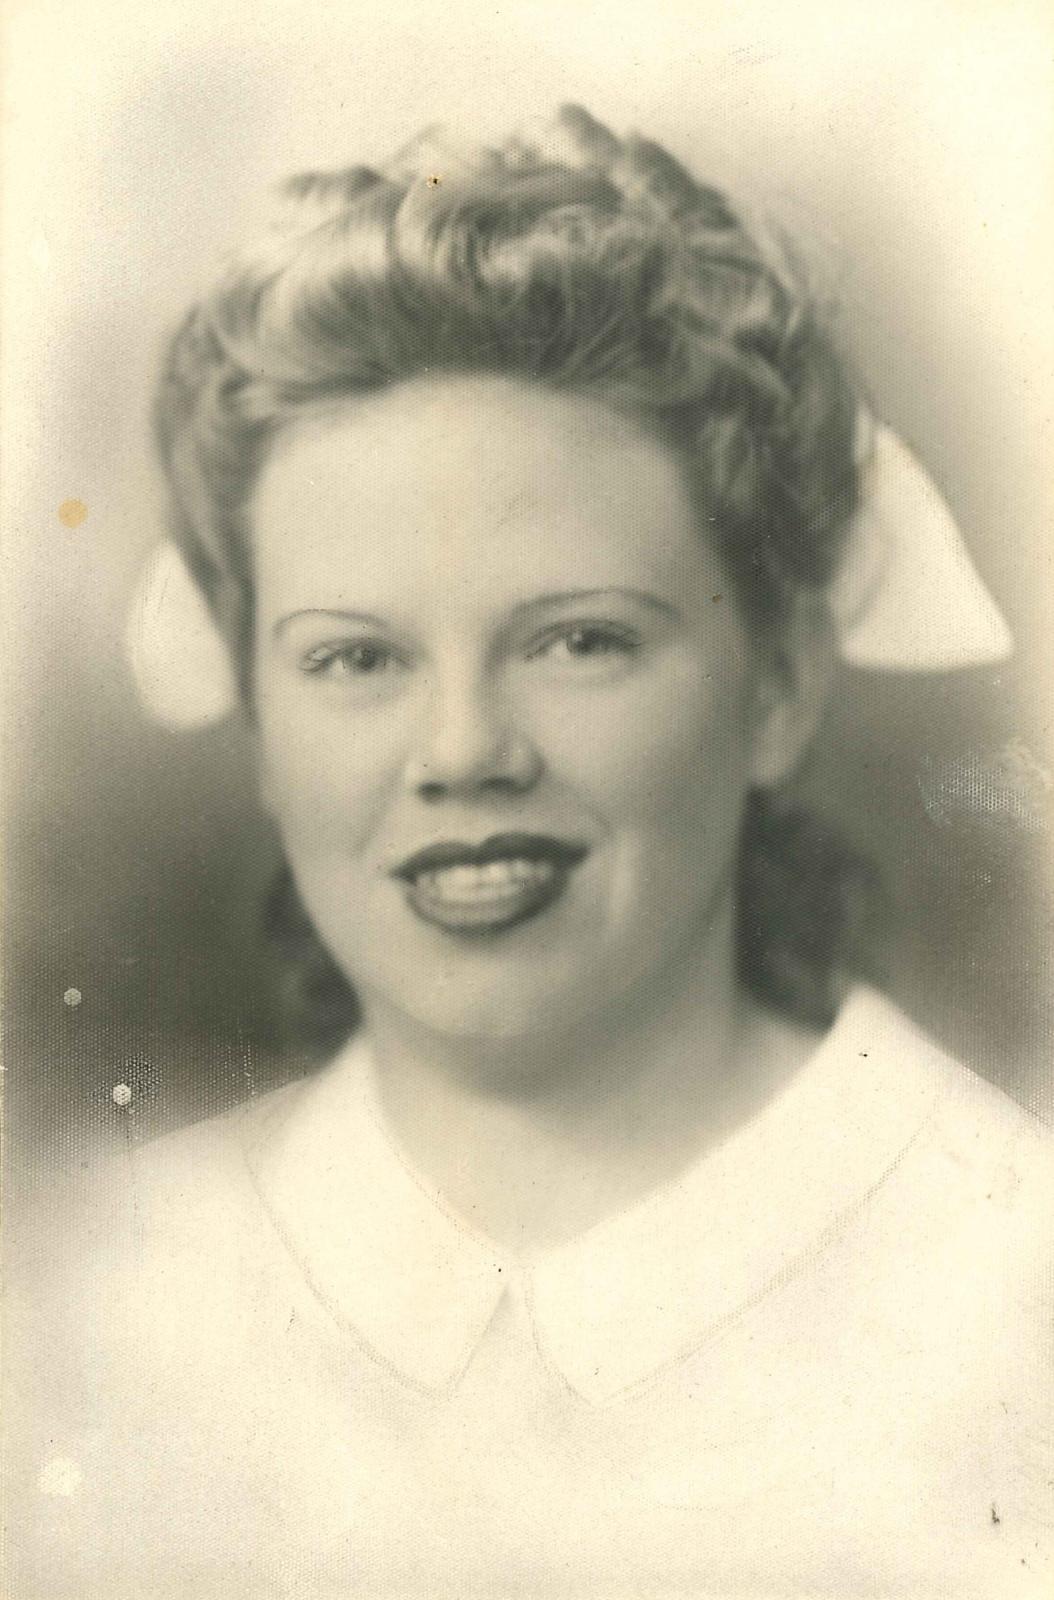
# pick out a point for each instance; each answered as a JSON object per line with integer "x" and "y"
{"x": 471, "y": 744}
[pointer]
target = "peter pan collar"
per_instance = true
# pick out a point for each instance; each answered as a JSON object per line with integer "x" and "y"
{"x": 634, "y": 1294}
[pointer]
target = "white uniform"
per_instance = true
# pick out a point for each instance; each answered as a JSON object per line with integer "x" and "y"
{"x": 817, "y": 1364}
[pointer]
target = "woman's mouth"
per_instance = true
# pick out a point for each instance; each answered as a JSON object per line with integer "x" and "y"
{"x": 486, "y": 888}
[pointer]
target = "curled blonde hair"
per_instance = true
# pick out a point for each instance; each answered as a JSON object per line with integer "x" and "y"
{"x": 564, "y": 257}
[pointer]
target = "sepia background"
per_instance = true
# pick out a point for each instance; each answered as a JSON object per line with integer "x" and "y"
{"x": 914, "y": 142}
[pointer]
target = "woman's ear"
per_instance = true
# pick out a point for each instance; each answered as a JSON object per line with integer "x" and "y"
{"x": 792, "y": 692}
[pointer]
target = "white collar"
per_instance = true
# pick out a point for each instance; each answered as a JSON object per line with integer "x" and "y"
{"x": 634, "y": 1294}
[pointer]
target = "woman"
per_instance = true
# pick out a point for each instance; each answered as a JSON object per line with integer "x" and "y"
{"x": 624, "y": 1246}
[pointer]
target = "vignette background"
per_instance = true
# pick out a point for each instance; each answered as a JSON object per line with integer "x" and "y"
{"x": 914, "y": 141}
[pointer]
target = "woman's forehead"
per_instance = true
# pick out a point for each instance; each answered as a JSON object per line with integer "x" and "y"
{"x": 473, "y": 437}
{"x": 468, "y": 484}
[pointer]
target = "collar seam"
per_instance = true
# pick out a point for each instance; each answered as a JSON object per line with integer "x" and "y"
{"x": 773, "y": 1285}
{"x": 348, "y": 1328}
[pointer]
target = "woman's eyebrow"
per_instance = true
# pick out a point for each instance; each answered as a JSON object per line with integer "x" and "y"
{"x": 366, "y": 617}
{"x": 560, "y": 597}
{"x": 565, "y": 597}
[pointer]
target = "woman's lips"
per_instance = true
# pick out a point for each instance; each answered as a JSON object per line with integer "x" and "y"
{"x": 486, "y": 888}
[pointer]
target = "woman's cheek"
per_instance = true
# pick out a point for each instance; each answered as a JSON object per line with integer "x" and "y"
{"x": 328, "y": 774}
{"x": 658, "y": 739}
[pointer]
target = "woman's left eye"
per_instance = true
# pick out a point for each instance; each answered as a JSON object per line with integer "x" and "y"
{"x": 588, "y": 643}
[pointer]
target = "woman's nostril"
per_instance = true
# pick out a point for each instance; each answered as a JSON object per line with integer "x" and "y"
{"x": 504, "y": 783}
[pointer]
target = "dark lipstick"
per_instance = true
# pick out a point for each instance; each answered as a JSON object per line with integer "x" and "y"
{"x": 489, "y": 887}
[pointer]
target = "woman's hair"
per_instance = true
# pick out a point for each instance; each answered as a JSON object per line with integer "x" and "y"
{"x": 579, "y": 262}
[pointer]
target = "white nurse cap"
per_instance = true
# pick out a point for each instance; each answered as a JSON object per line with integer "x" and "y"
{"x": 907, "y": 597}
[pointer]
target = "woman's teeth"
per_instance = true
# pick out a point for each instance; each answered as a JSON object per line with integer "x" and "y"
{"x": 470, "y": 893}
{"x": 491, "y": 883}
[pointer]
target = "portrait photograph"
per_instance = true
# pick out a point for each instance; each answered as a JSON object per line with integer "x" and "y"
{"x": 528, "y": 888}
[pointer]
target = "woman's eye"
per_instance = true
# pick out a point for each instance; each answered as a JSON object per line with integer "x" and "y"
{"x": 586, "y": 642}
{"x": 367, "y": 658}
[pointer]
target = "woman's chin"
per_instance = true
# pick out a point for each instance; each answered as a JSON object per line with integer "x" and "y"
{"x": 535, "y": 1003}
{"x": 528, "y": 1000}
{"x": 501, "y": 1006}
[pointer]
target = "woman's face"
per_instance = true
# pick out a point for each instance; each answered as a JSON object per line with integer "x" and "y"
{"x": 508, "y": 711}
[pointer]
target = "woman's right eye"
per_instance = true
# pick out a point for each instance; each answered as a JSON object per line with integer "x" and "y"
{"x": 364, "y": 658}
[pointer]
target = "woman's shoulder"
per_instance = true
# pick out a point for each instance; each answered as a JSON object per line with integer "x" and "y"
{"x": 955, "y": 1178}
{"x": 877, "y": 1038}
{"x": 140, "y": 1259}
{"x": 967, "y": 1196}
{"x": 147, "y": 1286}
{"x": 202, "y": 1161}
{"x": 149, "y": 1223}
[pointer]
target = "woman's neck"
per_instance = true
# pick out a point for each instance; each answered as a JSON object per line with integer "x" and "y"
{"x": 534, "y": 1140}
